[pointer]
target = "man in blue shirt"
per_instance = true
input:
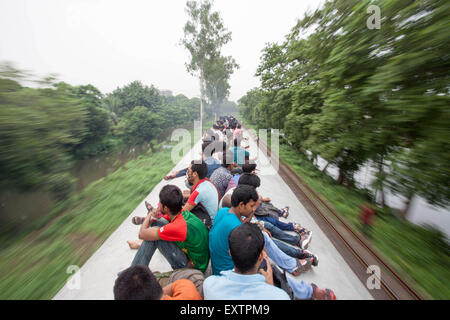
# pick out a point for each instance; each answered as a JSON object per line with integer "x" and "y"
{"x": 240, "y": 154}
{"x": 246, "y": 244}
{"x": 227, "y": 219}
{"x": 244, "y": 199}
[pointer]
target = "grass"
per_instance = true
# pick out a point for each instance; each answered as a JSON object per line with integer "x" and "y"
{"x": 33, "y": 266}
{"x": 418, "y": 253}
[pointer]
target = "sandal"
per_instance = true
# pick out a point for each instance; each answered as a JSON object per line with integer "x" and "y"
{"x": 329, "y": 294}
{"x": 284, "y": 212}
{"x": 299, "y": 229}
{"x": 138, "y": 220}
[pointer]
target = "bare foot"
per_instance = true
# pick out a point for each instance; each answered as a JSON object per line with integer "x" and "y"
{"x": 134, "y": 244}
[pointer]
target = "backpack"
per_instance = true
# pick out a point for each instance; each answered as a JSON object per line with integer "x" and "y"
{"x": 194, "y": 275}
{"x": 200, "y": 212}
{"x": 280, "y": 281}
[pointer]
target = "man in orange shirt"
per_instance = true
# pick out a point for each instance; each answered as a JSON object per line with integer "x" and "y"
{"x": 139, "y": 283}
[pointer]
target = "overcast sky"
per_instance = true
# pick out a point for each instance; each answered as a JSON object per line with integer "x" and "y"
{"x": 110, "y": 43}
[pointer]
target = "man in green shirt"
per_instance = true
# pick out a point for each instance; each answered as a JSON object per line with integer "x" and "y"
{"x": 180, "y": 236}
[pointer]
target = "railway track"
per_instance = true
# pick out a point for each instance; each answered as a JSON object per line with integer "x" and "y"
{"x": 387, "y": 284}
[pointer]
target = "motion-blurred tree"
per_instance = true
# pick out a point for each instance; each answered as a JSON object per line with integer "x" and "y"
{"x": 355, "y": 95}
{"x": 38, "y": 129}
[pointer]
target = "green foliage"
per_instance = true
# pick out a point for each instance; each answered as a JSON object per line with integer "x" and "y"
{"x": 45, "y": 130}
{"x": 354, "y": 95}
{"x": 38, "y": 129}
{"x": 204, "y": 36}
{"x": 139, "y": 125}
{"x": 34, "y": 267}
{"x": 419, "y": 253}
{"x": 136, "y": 94}
{"x": 228, "y": 107}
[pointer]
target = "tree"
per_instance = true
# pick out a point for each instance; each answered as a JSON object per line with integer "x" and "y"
{"x": 357, "y": 96}
{"x": 218, "y": 72}
{"x": 136, "y": 94}
{"x": 139, "y": 126}
{"x": 412, "y": 86}
{"x": 97, "y": 123}
{"x": 112, "y": 104}
{"x": 39, "y": 128}
{"x": 204, "y": 36}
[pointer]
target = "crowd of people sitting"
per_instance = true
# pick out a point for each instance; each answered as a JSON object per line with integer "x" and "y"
{"x": 222, "y": 238}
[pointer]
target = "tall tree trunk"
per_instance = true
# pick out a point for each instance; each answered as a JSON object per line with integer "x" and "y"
{"x": 380, "y": 170}
{"x": 340, "y": 178}
{"x": 382, "y": 197}
{"x": 201, "y": 99}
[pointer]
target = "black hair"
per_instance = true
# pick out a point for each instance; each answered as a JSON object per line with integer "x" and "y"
{"x": 239, "y": 126}
{"x": 205, "y": 144}
{"x": 249, "y": 180}
{"x": 218, "y": 146}
{"x": 243, "y": 193}
{"x": 210, "y": 147}
{"x": 171, "y": 197}
{"x": 246, "y": 244}
{"x": 236, "y": 142}
{"x": 248, "y": 167}
{"x": 200, "y": 167}
{"x": 137, "y": 283}
{"x": 227, "y": 159}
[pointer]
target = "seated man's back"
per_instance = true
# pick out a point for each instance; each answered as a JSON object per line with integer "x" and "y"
{"x": 205, "y": 192}
{"x": 233, "y": 286}
{"x": 224, "y": 223}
